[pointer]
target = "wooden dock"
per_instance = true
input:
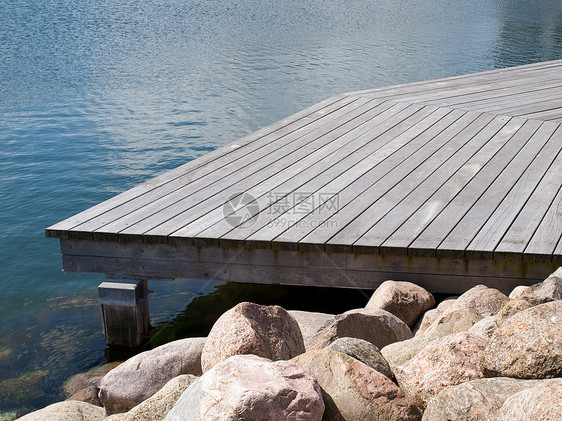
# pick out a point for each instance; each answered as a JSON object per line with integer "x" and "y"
{"x": 447, "y": 183}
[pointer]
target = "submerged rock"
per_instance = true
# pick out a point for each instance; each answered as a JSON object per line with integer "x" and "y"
{"x": 143, "y": 375}
{"x": 354, "y": 391}
{"x": 405, "y": 300}
{"x": 247, "y": 387}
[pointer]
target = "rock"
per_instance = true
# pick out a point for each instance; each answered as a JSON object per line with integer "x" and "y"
{"x": 431, "y": 315}
{"x": 67, "y": 411}
{"x": 517, "y": 290}
{"x": 399, "y": 353}
{"x": 487, "y": 326}
{"x": 354, "y": 391}
{"x": 405, "y": 300}
{"x": 543, "y": 292}
{"x": 309, "y": 323}
{"x": 143, "y": 375}
{"x": 248, "y": 387}
{"x": 478, "y": 400}
{"x": 88, "y": 394}
{"x": 542, "y": 402}
{"x": 158, "y": 405}
{"x": 373, "y": 325}
{"x": 510, "y": 308}
{"x": 8, "y": 416}
{"x": 24, "y": 388}
{"x": 459, "y": 320}
{"x": 448, "y": 361}
{"x": 485, "y": 301}
{"x": 84, "y": 380}
{"x": 248, "y": 328}
{"x": 527, "y": 345}
{"x": 363, "y": 351}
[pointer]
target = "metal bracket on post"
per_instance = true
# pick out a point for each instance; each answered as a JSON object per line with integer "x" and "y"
{"x": 125, "y": 313}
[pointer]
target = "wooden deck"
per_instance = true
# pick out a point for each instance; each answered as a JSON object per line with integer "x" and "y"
{"x": 448, "y": 183}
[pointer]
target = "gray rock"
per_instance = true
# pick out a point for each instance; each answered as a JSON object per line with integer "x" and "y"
{"x": 543, "y": 292}
{"x": 540, "y": 403}
{"x": 143, "y": 375}
{"x": 309, "y": 322}
{"x": 158, "y": 405}
{"x": 475, "y": 400}
{"x": 67, "y": 411}
{"x": 485, "y": 301}
{"x": 247, "y": 387}
{"x": 363, "y": 351}
{"x": 399, "y": 353}
{"x": 354, "y": 391}
{"x": 448, "y": 361}
{"x": 84, "y": 380}
{"x": 373, "y": 325}
{"x": 527, "y": 345}
{"x": 88, "y": 394}
{"x": 459, "y": 320}
{"x": 405, "y": 300}
{"x": 487, "y": 326}
{"x": 248, "y": 328}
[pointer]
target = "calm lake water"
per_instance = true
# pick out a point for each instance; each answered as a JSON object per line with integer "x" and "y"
{"x": 96, "y": 97}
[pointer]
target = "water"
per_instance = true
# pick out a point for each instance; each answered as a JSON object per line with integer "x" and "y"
{"x": 96, "y": 97}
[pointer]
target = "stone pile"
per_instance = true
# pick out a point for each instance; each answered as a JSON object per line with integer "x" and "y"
{"x": 480, "y": 356}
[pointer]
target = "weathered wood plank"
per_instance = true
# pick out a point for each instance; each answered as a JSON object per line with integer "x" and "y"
{"x": 547, "y": 236}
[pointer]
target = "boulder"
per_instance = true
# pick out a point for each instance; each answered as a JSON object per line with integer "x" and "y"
{"x": 405, "y": 300}
{"x": 84, "y": 380}
{"x": 373, "y": 325}
{"x": 431, "y": 315}
{"x": 542, "y": 402}
{"x": 248, "y": 328}
{"x": 459, "y": 320}
{"x": 363, "y": 351}
{"x": 143, "y": 375}
{"x": 248, "y": 387}
{"x": 517, "y": 290}
{"x": 88, "y": 394}
{"x": 487, "y": 326}
{"x": 354, "y": 391}
{"x": 527, "y": 345}
{"x": 485, "y": 301}
{"x": 476, "y": 400}
{"x": 510, "y": 308}
{"x": 158, "y": 405}
{"x": 448, "y": 361}
{"x": 309, "y": 322}
{"x": 67, "y": 411}
{"x": 543, "y": 292}
{"x": 399, "y": 353}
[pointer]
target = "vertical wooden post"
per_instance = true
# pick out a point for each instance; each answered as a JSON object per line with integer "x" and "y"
{"x": 125, "y": 313}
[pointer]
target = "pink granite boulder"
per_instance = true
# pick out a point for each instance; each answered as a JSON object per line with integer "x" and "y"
{"x": 542, "y": 402}
{"x": 543, "y": 292}
{"x": 355, "y": 392}
{"x": 67, "y": 411}
{"x": 309, "y": 322}
{"x": 485, "y": 301}
{"x": 247, "y": 387}
{"x": 405, "y": 300}
{"x": 143, "y": 375}
{"x": 373, "y": 325}
{"x": 248, "y": 328}
{"x": 431, "y": 315}
{"x": 448, "y": 361}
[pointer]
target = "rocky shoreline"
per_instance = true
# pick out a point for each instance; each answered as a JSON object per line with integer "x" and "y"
{"x": 480, "y": 356}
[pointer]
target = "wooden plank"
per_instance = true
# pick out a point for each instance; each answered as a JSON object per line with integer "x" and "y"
{"x": 423, "y": 160}
{"x": 484, "y": 206}
{"x": 523, "y": 228}
{"x": 442, "y": 224}
{"x": 221, "y": 170}
{"x": 296, "y": 121}
{"x": 456, "y": 172}
{"x": 350, "y": 188}
{"x": 352, "y": 147}
{"x": 547, "y": 235}
{"x": 485, "y": 242}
